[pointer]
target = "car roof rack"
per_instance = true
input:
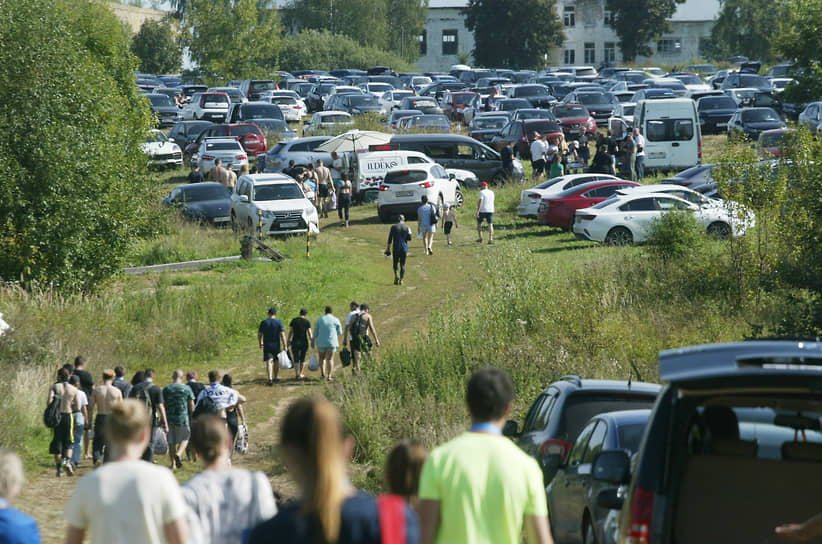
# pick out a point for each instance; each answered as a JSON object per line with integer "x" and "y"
{"x": 572, "y": 378}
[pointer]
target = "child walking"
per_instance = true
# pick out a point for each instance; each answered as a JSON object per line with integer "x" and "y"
{"x": 449, "y": 219}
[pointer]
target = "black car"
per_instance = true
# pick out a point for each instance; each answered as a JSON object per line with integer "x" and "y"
{"x": 714, "y": 113}
{"x": 208, "y": 202}
{"x": 600, "y": 104}
{"x": 484, "y": 128}
{"x": 509, "y": 104}
{"x": 696, "y": 175}
{"x": 560, "y": 412}
{"x": 538, "y": 95}
{"x": 357, "y": 104}
{"x": 163, "y": 108}
{"x": 749, "y": 122}
{"x": 424, "y": 104}
{"x": 733, "y": 447}
{"x": 184, "y": 133}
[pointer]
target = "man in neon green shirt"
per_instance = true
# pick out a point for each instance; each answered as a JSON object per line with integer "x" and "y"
{"x": 480, "y": 488}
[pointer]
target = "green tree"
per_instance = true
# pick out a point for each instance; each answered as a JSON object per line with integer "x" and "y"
{"x": 406, "y": 21}
{"x": 157, "y": 47}
{"x": 513, "y": 34}
{"x": 638, "y": 22}
{"x": 232, "y": 39}
{"x": 799, "y": 40}
{"x": 365, "y": 21}
{"x": 73, "y": 189}
{"x": 327, "y": 51}
{"x": 745, "y": 27}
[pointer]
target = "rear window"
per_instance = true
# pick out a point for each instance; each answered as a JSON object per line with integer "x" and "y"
{"x": 594, "y": 99}
{"x": 213, "y": 100}
{"x": 717, "y": 103}
{"x": 261, "y": 111}
{"x": 463, "y": 98}
{"x": 570, "y": 111}
{"x": 204, "y": 192}
{"x": 535, "y": 90}
{"x": 258, "y": 86}
{"x": 336, "y": 118}
{"x": 543, "y": 127}
{"x": 403, "y": 177}
{"x": 581, "y": 407}
{"x": 160, "y": 100}
{"x": 245, "y": 129}
{"x": 285, "y": 191}
{"x": 664, "y": 130}
{"x": 223, "y": 146}
{"x": 286, "y": 100}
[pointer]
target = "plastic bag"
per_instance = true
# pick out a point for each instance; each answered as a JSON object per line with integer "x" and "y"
{"x": 285, "y": 361}
{"x": 241, "y": 445}
{"x": 345, "y": 357}
{"x": 313, "y": 362}
{"x": 159, "y": 441}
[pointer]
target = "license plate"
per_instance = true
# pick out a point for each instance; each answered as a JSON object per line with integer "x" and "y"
{"x": 405, "y": 193}
{"x": 289, "y": 224}
{"x": 222, "y": 219}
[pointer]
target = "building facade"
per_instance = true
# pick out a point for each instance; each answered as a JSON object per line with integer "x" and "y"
{"x": 445, "y": 37}
{"x": 135, "y": 16}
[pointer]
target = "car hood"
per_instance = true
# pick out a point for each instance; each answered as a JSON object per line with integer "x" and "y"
{"x": 208, "y": 208}
{"x": 566, "y": 120}
{"x": 165, "y": 109}
{"x": 160, "y": 148}
{"x": 763, "y": 125}
{"x": 283, "y": 205}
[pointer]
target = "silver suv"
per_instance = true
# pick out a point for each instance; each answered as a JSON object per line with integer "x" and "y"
{"x": 402, "y": 190}
{"x": 302, "y": 151}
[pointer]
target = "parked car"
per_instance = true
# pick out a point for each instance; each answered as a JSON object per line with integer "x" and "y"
{"x": 395, "y": 116}
{"x": 250, "y": 136}
{"x": 738, "y": 79}
{"x": 184, "y": 133}
{"x": 248, "y": 111}
{"x": 521, "y": 135}
{"x": 390, "y": 100}
{"x": 508, "y": 104}
{"x": 626, "y": 220}
{"x": 235, "y": 95}
{"x": 208, "y": 202}
{"x": 485, "y": 127}
{"x": 291, "y": 107}
{"x": 575, "y": 120}
{"x": 328, "y": 122}
{"x": 749, "y": 122}
{"x": 427, "y": 123}
{"x": 575, "y": 516}
{"x": 561, "y": 411}
{"x": 318, "y": 95}
{"x": 714, "y": 113}
{"x": 302, "y": 151}
{"x": 252, "y": 89}
{"x": 228, "y": 150}
{"x": 811, "y": 116}
{"x": 691, "y": 177}
{"x": 357, "y": 104}
{"x": 454, "y": 104}
{"x": 771, "y": 143}
{"x": 530, "y": 199}
{"x": 208, "y": 107}
{"x": 164, "y": 109}
{"x": 276, "y": 201}
{"x": 558, "y": 210}
{"x": 161, "y": 151}
{"x": 600, "y": 105}
{"x": 532, "y": 113}
{"x": 190, "y": 90}
{"x": 732, "y": 448}
{"x": 402, "y": 189}
{"x": 425, "y": 104}
{"x": 538, "y": 95}
{"x": 691, "y": 80}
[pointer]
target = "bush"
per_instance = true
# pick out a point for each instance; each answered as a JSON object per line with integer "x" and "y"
{"x": 675, "y": 234}
{"x": 326, "y": 51}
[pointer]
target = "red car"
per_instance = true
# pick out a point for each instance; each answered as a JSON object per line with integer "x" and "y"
{"x": 558, "y": 210}
{"x": 251, "y": 138}
{"x": 771, "y": 143}
{"x": 574, "y": 120}
{"x": 455, "y": 103}
{"x": 521, "y": 135}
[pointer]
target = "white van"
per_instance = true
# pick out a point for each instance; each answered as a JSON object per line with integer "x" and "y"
{"x": 373, "y": 166}
{"x": 673, "y": 140}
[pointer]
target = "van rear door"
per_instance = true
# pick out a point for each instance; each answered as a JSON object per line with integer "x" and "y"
{"x": 671, "y": 131}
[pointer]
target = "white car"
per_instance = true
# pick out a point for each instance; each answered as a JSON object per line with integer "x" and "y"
{"x": 286, "y": 92}
{"x": 290, "y": 106}
{"x": 161, "y": 151}
{"x": 228, "y": 150}
{"x": 272, "y": 203}
{"x": 390, "y": 100}
{"x": 625, "y": 220}
{"x": 376, "y": 88}
{"x": 328, "y": 122}
{"x": 403, "y": 188}
{"x": 207, "y": 107}
{"x": 530, "y": 198}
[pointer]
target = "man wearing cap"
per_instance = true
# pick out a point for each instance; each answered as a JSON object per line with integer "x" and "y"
{"x": 485, "y": 211}
{"x": 537, "y": 156}
{"x": 271, "y": 336}
{"x": 398, "y": 238}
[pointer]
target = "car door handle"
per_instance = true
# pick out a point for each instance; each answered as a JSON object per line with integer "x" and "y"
{"x": 675, "y": 144}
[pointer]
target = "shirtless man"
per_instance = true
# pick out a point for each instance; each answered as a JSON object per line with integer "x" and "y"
{"x": 63, "y": 441}
{"x": 103, "y": 398}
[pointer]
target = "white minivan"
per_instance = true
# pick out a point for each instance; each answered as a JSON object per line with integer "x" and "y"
{"x": 673, "y": 140}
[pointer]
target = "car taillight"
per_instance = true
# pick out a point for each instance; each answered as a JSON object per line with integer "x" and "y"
{"x": 639, "y": 527}
{"x": 553, "y": 446}
{"x": 587, "y": 217}
{"x": 241, "y": 157}
{"x": 534, "y": 195}
{"x": 297, "y": 107}
{"x": 554, "y": 204}
{"x": 207, "y": 157}
{"x": 383, "y": 187}
{"x": 426, "y": 185}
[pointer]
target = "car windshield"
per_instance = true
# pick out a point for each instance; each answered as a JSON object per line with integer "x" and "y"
{"x": 263, "y": 86}
{"x": 759, "y": 115}
{"x": 489, "y": 122}
{"x": 223, "y": 146}
{"x": 532, "y": 90}
{"x": 689, "y": 79}
{"x": 362, "y": 100}
{"x": 570, "y": 111}
{"x": 465, "y": 98}
{"x": 335, "y": 118}
{"x": 431, "y": 121}
{"x": 214, "y": 100}
{"x": 160, "y": 100}
{"x": 260, "y": 111}
{"x": 281, "y": 191}
{"x": 284, "y": 100}
{"x": 717, "y": 103}
{"x": 404, "y": 177}
{"x": 156, "y": 137}
{"x": 581, "y": 407}
{"x": 594, "y": 99}
{"x": 200, "y": 193}
{"x": 630, "y": 436}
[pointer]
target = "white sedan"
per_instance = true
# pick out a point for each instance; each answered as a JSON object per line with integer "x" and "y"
{"x": 390, "y": 100}
{"x": 161, "y": 151}
{"x": 272, "y": 204}
{"x": 628, "y": 219}
{"x": 531, "y": 198}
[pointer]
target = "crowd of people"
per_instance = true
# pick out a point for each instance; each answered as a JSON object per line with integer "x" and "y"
{"x": 477, "y": 488}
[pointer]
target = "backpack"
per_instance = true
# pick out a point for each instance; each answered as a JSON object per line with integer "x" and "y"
{"x": 205, "y": 406}
{"x": 359, "y": 330}
{"x": 141, "y": 393}
{"x": 435, "y": 214}
{"x": 52, "y": 416}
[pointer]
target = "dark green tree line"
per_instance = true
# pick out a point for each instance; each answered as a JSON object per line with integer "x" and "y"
{"x": 639, "y": 22}
{"x": 158, "y": 47}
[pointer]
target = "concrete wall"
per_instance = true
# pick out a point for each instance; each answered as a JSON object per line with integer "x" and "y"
{"x": 134, "y": 16}
{"x": 440, "y": 19}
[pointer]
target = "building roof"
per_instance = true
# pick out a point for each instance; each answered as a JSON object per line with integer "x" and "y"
{"x": 696, "y": 10}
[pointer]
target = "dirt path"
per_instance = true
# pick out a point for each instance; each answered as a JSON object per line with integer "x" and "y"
{"x": 400, "y": 312}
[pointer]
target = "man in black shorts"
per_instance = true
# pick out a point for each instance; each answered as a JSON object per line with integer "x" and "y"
{"x": 299, "y": 338}
{"x": 271, "y": 336}
{"x": 398, "y": 238}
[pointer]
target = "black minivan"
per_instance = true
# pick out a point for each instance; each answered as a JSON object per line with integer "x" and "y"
{"x": 456, "y": 151}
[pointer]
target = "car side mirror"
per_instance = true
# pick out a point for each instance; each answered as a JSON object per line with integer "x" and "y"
{"x": 610, "y": 498}
{"x": 243, "y": 198}
{"x": 452, "y": 176}
{"x": 552, "y": 462}
{"x": 511, "y": 428}
{"x": 612, "y": 466}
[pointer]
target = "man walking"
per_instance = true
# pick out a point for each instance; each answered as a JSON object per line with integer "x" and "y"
{"x": 485, "y": 212}
{"x": 537, "y": 157}
{"x": 639, "y": 163}
{"x": 63, "y": 441}
{"x": 102, "y": 398}
{"x": 324, "y": 186}
{"x": 427, "y": 226}
{"x": 86, "y": 385}
{"x": 327, "y": 332}
{"x": 151, "y": 395}
{"x": 179, "y": 405}
{"x": 271, "y": 337}
{"x": 120, "y": 381}
{"x": 218, "y": 173}
{"x": 480, "y": 487}
{"x": 398, "y": 238}
{"x": 361, "y": 325}
{"x": 299, "y": 338}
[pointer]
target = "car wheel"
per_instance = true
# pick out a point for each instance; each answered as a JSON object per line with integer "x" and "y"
{"x": 619, "y": 236}
{"x": 459, "y": 200}
{"x": 719, "y": 230}
{"x": 498, "y": 179}
{"x": 588, "y": 535}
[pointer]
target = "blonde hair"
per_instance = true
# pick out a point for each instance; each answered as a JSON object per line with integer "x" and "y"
{"x": 209, "y": 436}
{"x": 11, "y": 473}
{"x": 127, "y": 420}
{"x": 313, "y": 428}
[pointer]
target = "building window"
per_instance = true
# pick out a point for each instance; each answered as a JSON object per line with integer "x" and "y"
{"x": 569, "y": 16}
{"x": 669, "y": 46}
{"x": 608, "y": 18}
{"x": 590, "y": 53}
{"x": 450, "y": 45}
{"x": 423, "y": 39}
{"x": 569, "y": 56}
{"x": 610, "y": 53}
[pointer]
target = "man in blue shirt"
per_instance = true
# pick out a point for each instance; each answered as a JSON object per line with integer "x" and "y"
{"x": 271, "y": 336}
{"x": 398, "y": 239}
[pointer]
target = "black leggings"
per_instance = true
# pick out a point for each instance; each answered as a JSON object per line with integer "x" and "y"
{"x": 344, "y": 204}
{"x": 399, "y": 259}
{"x": 99, "y": 446}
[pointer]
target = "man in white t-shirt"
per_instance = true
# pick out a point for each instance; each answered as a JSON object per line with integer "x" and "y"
{"x": 485, "y": 211}
{"x": 537, "y": 157}
{"x": 639, "y": 163}
{"x": 128, "y": 500}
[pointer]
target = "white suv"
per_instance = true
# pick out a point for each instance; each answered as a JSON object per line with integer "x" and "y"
{"x": 273, "y": 203}
{"x": 207, "y": 107}
{"x": 403, "y": 188}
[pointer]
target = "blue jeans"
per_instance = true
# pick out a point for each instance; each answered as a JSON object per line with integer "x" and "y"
{"x": 640, "y": 166}
{"x": 78, "y": 443}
